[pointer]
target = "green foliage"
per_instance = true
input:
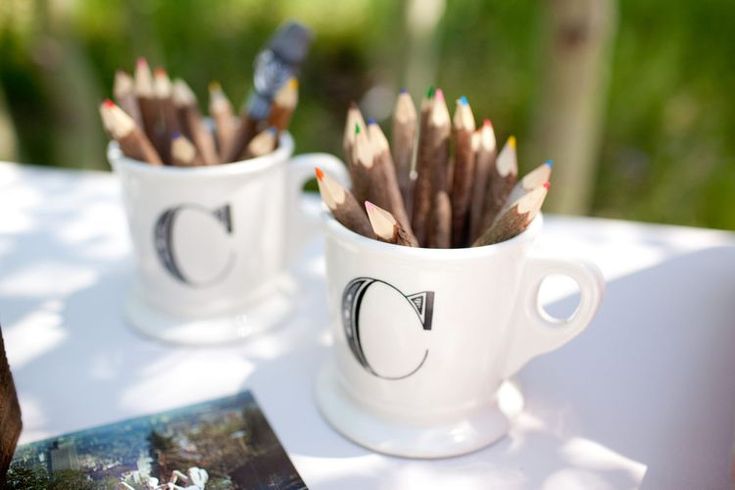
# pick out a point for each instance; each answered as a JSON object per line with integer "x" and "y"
{"x": 667, "y": 154}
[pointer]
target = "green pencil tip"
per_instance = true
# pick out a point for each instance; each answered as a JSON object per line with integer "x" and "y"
{"x": 357, "y": 128}
{"x": 430, "y": 93}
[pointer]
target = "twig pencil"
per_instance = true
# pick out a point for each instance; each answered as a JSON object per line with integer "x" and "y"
{"x": 262, "y": 144}
{"x": 464, "y": 171}
{"x": 149, "y": 108}
{"x": 367, "y": 182}
{"x": 183, "y": 152}
{"x": 533, "y": 179}
{"x": 422, "y": 191}
{"x": 385, "y": 166}
{"x": 10, "y": 416}
{"x": 343, "y": 205}
{"x": 225, "y": 123}
{"x": 485, "y": 149}
{"x": 354, "y": 119}
{"x": 124, "y": 91}
{"x": 404, "y": 144}
{"x": 244, "y": 132}
{"x": 515, "y": 218}
{"x": 503, "y": 177}
{"x": 440, "y": 229}
{"x": 169, "y": 121}
{"x": 284, "y": 104}
{"x": 387, "y": 228}
{"x": 191, "y": 123}
{"x": 133, "y": 142}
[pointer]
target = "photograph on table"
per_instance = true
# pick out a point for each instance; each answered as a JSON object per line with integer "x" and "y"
{"x": 215, "y": 445}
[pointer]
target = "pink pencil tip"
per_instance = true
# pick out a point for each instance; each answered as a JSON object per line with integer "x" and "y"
{"x": 142, "y": 61}
{"x": 439, "y": 94}
{"x": 369, "y": 205}
{"x": 487, "y": 122}
{"x": 547, "y": 185}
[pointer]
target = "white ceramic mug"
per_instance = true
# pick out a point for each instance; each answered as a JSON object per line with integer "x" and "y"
{"x": 211, "y": 243}
{"x": 423, "y": 338}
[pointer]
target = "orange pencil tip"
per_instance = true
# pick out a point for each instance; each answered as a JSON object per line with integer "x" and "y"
{"x": 160, "y": 71}
{"x": 319, "y": 173}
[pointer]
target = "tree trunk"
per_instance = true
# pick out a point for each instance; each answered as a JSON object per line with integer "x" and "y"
{"x": 576, "y": 48}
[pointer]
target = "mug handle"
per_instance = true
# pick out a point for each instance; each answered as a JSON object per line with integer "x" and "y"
{"x": 303, "y": 213}
{"x": 535, "y": 330}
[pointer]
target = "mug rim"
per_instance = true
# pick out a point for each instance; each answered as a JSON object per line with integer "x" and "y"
{"x": 252, "y": 165}
{"x": 338, "y": 230}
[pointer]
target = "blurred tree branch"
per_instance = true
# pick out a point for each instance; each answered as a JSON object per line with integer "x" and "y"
{"x": 576, "y": 46}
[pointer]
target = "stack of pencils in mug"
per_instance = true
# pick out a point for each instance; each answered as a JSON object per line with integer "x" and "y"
{"x": 158, "y": 121}
{"x": 442, "y": 183}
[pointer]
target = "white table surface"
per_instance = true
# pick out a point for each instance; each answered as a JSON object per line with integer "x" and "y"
{"x": 643, "y": 398}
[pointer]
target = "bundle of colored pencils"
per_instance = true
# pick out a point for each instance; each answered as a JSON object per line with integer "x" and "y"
{"x": 442, "y": 184}
{"x": 159, "y": 122}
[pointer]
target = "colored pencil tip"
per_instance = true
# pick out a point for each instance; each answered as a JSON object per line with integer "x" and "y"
{"x": 463, "y": 100}
{"x": 175, "y": 135}
{"x": 370, "y": 206}
{"x": 403, "y": 90}
{"x": 319, "y": 173}
{"x": 549, "y": 163}
{"x": 142, "y": 62}
{"x": 512, "y": 142}
{"x": 439, "y": 95}
{"x": 109, "y": 104}
{"x": 353, "y": 105}
{"x": 487, "y": 122}
{"x": 160, "y": 72}
{"x": 371, "y": 121}
{"x": 272, "y": 130}
{"x": 214, "y": 86}
{"x": 547, "y": 185}
{"x": 430, "y": 92}
{"x": 357, "y": 128}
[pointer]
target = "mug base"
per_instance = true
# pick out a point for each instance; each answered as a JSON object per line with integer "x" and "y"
{"x": 215, "y": 329}
{"x": 372, "y": 431}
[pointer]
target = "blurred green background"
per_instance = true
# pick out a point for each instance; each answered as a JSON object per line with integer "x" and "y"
{"x": 665, "y": 151}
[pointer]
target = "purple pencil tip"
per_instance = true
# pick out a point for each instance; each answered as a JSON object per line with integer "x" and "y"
{"x": 175, "y": 135}
{"x": 371, "y": 121}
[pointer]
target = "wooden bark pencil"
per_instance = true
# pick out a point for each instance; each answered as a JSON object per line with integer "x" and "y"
{"x": 132, "y": 140}
{"x": 404, "y": 144}
{"x": 244, "y": 132}
{"x": 262, "y": 144}
{"x": 367, "y": 183}
{"x": 10, "y": 417}
{"x": 169, "y": 121}
{"x": 533, "y": 179}
{"x": 225, "y": 123}
{"x": 387, "y": 228}
{"x": 284, "y": 104}
{"x": 422, "y": 190}
{"x": 354, "y": 120}
{"x": 440, "y": 229}
{"x": 385, "y": 166}
{"x": 503, "y": 177}
{"x": 149, "y": 109}
{"x": 343, "y": 205}
{"x": 515, "y": 218}
{"x": 183, "y": 152}
{"x": 485, "y": 149}
{"x": 191, "y": 123}
{"x": 464, "y": 171}
{"x": 124, "y": 91}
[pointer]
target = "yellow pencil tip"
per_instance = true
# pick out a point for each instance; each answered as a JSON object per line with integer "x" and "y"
{"x": 512, "y": 142}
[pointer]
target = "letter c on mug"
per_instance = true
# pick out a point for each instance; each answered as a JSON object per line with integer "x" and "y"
{"x": 163, "y": 240}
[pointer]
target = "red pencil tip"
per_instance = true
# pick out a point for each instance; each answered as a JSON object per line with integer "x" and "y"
{"x": 108, "y": 104}
{"x": 319, "y": 173}
{"x": 547, "y": 185}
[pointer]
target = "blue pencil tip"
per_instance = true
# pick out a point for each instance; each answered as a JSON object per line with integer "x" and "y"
{"x": 371, "y": 121}
{"x": 463, "y": 100}
{"x": 550, "y": 163}
{"x": 272, "y": 130}
{"x": 175, "y": 135}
